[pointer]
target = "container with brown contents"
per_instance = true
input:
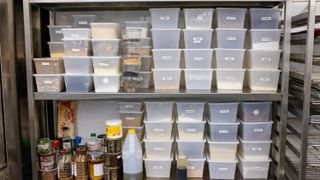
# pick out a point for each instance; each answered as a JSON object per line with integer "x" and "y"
{"x": 47, "y": 162}
{"x": 81, "y": 164}
{"x": 49, "y": 175}
{"x": 112, "y": 145}
{"x": 112, "y": 173}
{"x": 64, "y": 164}
{"x": 96, "y": 162}
{"x": 113, "y": 160}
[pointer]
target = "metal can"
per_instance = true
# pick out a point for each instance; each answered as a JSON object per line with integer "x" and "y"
{"x": 112, "y": 173}
{"x": 47, "y": 162}
{"x": 112, "y": 145}
{"x": 113, "y": 160}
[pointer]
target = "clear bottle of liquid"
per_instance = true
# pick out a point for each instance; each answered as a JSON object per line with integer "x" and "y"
{"x": 132, "y": 157}
{"x": 94, "y": 144}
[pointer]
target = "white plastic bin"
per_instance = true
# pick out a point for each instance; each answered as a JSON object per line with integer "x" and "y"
{"x": 257, "y": 169}
{"x": 222, "y": 169}
{"x": 158, "y": 130}
{"x": 106, "y": 47}
{"x": 198, "y": 18}
{"x": 190, "y": 111}
{"x": 223, "y": 132}
{"x": 158, "y": 168}
{"x": 49, "y": 82}
{"x": 264, "y": 18}
{"x": 77, "y": 47}
{"x": 254, "y": 150}
{"x": 159, "y": 111}
{"x": 56, "y": 34}
{"x": 255, "y": 111}
{"x": 146, "y": 77}
{"x": 76, "y": 33}
{"x": 83, "y": 21}
{"x": 229, "y": 58}
{"x": 263, "y": 79}
{"x": 166, "y": 79}
{"x": 56, "y": 49}
{"x": 263, "y": 59}
{"x": 191, "y": 130}
{"x": 260, "y": 131}
{"x": 222, "y": 151}
{"x": 197, "y": 38}
{"x": 78, "y": 82}
{"x": 198, "y": 79}
{"x": 195, "y": 168}
{"x": 198, "y": 58}
{"x": 230, "y": 17}
{"x": 166, "y": 58}
{"x": 229, "y": 79}
{"x": 107, "y": 83}
{"x": 166, "y": 38}
{"x": 264, "y": 39}
{"x": 164, "y": 18}
{"x": 106, "y": 65}
{"x": 230, "y": 38}
{"x": 130, "y": 106}
{"x": 191, "y": 149}
{"x": 105, "y": 30}
{"x": 77, "y": 65}
{"x": 223, "y": 112}
{"x": 158, "y": 149}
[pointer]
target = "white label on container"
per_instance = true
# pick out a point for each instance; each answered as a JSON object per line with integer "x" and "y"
{"x": 47, "y": 82}
{"x": 264, "y": 59}
{"x": 223, "y": 169}
{"x": 130, "y": 118}
{"x": 256, "y": 112}
{"x": 265, "y": 79}
{"x": 190, "y": 111}
{"x": 266, "y": 39}
{"x": 256, "y": 168}
{"x": 158, "y": 130}
{"x": 229, "y": 58}
{"x": 166, "y": 57}
{"x": 222, "y": 149}
{"x": 230, "y": 78}
{"x": 224, "y": 111}
{"x": 266, "y": 18}
{"x": 104, "y": 64}
{"x": 157, "y": 167}
{"x": 164, "y": 18}
{"x": 231, "y": 18}
{"x": 75, "y": 35}
{"x": 191, "y": 130}
{"x": 98, "y": 169}
{"x": 256, "y": 149}
{"x": 45, "y": 64}
{"x": 83, "y": 22}
{"x": 158, "y": 148}
{"x": 75, "y": 50}
{"x": 223, "y": 131}
{"x": 191, "y": 167}
{"x": 58, "y": 32}
{"x": 198, "y": 58}
{"x": 167, "y": 78}
{"x": 197, "y": 40}
{"x": 231, "y": 38}
{"x": 105, "y": 80}
{"x": 258, "y": 130}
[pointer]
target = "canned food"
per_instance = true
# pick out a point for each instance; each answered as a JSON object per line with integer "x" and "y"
{"x": 113, "y": 160}
{"x": 47, "y": 162}
{"x": 113, "y": 173}
{"x": 112, "y": 145}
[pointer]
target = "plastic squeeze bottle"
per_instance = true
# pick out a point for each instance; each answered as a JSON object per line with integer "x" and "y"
{"x": 132, "y": 157}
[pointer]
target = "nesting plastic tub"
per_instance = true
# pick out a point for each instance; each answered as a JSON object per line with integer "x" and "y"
{"x": 166, "y": 58}
{"x": 229, "y": 79}
{"x": 49, "y": 82}
{"x": 255, "y": 111}
{"x": 56, "y": 34}
{"x": 230, "y": 17}
{"x": 263, "y": 79}
{"x": 106, "y": 65}
{"x": 198, "y": 18}
{"x": 195, "y": 168}
{"x": 254, "y": 150}
{"x": 83, "y": 21}
{"x": 190, "y": 111}
{"x": 198, "y": 58}
{"x": 131, "y": 118}
{"x": 130, "y": 106}
{"x": 187, "y": 148}
{"x": 264, "y": 39}
{"x": 77, "y": 65}
{"x": 159, "y": 111}
{"x": 158, "y": 130}
{"x": 264, "y": 18}
{"x": 146, "y": 62}
{"x": 146, "y": 77}
{"x": 223, "y": 132}
{"x": 263, "y": 59}
{"x": 222, "y": 169}
{"x": 191, "y": 130}
{"x": 77, "y": 47}
{"x": 76, "y": 33}
{"x": 164, "y": 18}
{"x": 158, "y": 168}
{"x": 141, "y": 26}
{"x": 223, "y": 112}
{"x": 257, "y": 169}
{"x": 166, "y": 79}
{"x": 197, "y": 38}
{"x": 49, "y": 65}
{"x": 260, "y": 131}
{"x": 107, "y": 83}
{"x": 105, "y": 47}
{"x": 105, "y": 30}
{"x": 166, "y": 38}
{"x": 78, "y": 82}
{"x": 229, "y": 58}
{"x": 230, "y": 38}
{"x": 198, "y": 79}
{"x": 222, "y": 151}
{"x": 56, "y": 49}
{"x": 160, "y": 149}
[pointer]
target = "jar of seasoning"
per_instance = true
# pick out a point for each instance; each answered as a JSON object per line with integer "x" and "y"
{"x": 81, "y": 164}
{"x": 64, "y": 164}
{"x": 96, "y": 162}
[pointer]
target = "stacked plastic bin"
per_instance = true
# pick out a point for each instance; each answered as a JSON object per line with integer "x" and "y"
{"x": 166, "y": 52}
{"x": 106, "y": 59}
{"x": 190, "y": 136}
{"x": 222, "y": 140}
{"x": 263, "y": 54}
{"x": 198, "y": 53}
{"x": 254, "y": 136}
{"x": 229, "y": 54}
{"x": 158, "y": 139}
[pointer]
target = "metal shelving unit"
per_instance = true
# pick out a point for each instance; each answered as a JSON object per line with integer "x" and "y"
{"x": 36, "y": 12}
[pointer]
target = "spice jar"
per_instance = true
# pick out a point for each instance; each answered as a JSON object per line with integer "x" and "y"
{"x": 64, "y": 165}
{"x": 96, "y": 162}
{"x": 81, "y": 164}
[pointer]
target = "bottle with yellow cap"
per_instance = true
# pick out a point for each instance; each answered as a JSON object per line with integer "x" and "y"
{"x": 132, "y": 157}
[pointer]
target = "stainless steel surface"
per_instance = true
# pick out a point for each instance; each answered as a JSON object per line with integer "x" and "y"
{"x": 3, "y": 153}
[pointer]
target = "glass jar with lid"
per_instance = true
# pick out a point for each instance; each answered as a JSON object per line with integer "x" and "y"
{"x": 81, "y": 164}
{"x": 96, "y": 162}
{"x": 65, "y": 165}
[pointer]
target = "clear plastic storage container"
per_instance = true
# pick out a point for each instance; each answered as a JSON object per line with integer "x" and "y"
{"x": 230, "y": 38}
{"x": 263, "y": 79}
{"x": 263, "y": 59}
{"x": 77, "y": 47}
{"x": 107, "y": 83}
{"x": 229, "y": 79}
{"x": 195, "y": 168}
{"x": 197, "y": 38}
{"x": 77, "y": 65}
{"x": 229, "y": 58}
{"x": 49, "y": 82}
{"x": 106, "y": 65}
{"x": 264, "y": 18}
{"x": 49, "y": 65}
{"x": 190, "y": 111}
{"x": 139, "y": 132}
{"x": 158, "y": 168}
{"x": 222, "y": 169}
{"x": 198, "y": 79}
{"x": 255, "y": 111}
{"x": 158, "y": 130}
{"x": 198, "y": 58}
{"x": 187, "y": 148}
{"x": 105, "y": 30}
{"x": 166, "y": 79}
{"x": 78, "y": 83}
{"x": 146, "y": 62}
{"x": 159, "y": 149}
{"x": 223, "y": 132}
{"x": 254, "y": 150}
{"x": 131, "y": 118}
{"x": 166, "y": 38}
{"x": 146, "y": 77}
{"x": 130, "y": 106}
{"x": 56, "y": 49}
{"x": 159, "y": 111}
{"x": 142, "y": 26}
{"x": 254, "y": 169}
{"x": 166, "y": 58}
{"x": 230, "y": 17}
{"x": 260, "y": 131}
{"x": 264, "y": 39}
{"x": 107, "y": 47}
{"x": 76, "y": 33}
{"x": 83, "y": 21}
{"x": 191, "y": 130}
{"x": 164, "y": 18}
{"x": 135, "y": 48}
{"x": 223, "y": 112}
{"x": 198, "y": 18}
{"x": 222, "y": 151}
{"x": 56, "y": 34}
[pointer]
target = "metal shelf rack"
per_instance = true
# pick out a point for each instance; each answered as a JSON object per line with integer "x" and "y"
{"x": 38, "y": 102}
